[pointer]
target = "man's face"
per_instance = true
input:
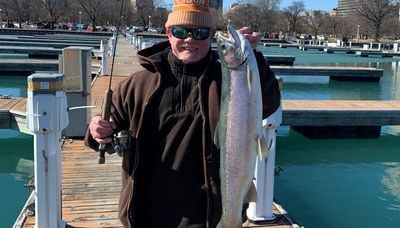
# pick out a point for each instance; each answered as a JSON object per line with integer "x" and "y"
{"x": 187, "y": 48}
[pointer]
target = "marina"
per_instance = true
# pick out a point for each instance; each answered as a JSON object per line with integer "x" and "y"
{"x": 90, "y": 199}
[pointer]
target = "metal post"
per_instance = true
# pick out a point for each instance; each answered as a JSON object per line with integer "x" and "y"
{"x": 104, "y": 57}
{"x": 46, "y": 118}
{"x": 149, "y": 21}
{"x": 264, "y": 174}
{"x": 358, "y": 32}
{"x": 80, "y": 17}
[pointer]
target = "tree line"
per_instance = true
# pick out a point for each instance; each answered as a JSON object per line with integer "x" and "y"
{"x": 372, "y": 18}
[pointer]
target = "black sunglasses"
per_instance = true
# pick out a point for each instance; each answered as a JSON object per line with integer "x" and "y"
{"x": 197, "y": 33}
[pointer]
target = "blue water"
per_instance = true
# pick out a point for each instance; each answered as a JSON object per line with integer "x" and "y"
{"x": 13, "y": 86}
{"x": 336, "y": 183}
{"x": 16, "y": 169}
{"x": 339, "y": 182}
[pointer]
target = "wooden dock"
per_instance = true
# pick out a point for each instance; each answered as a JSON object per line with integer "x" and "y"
{"x": 285, "y": 60}
{"x": 340, "y": 49}
{"x": 336, "y": 73}
{"x": 295, "y": 112}
{"x": 312, "y": 47}
{"x": 341, "y": 112}
{"x": 271, "y": 44}
{"x": 24, "y": 67}
{"x": 377, "y": 53}
{"x": 30, "y": 32}
{"x": 28, "y": 66}
{"x": 290, "y": 46}
{"x": 32, "y": 52}
{"x": 49, "y": 40}
{"x": 47, "y": 44}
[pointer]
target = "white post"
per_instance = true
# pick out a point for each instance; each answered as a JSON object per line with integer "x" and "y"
{"x": 104, "y": 57}
{"x": 46, "y": 118}
{"x": 396, "y": 47}
{"x": 264, "y": 174}
{"x": 112, "y": 45}
{"x": 149, "y": 21}
{"x": 129, "y": 36}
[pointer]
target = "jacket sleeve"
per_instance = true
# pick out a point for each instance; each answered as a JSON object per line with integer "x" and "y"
{"x": 269, "y": 86}
{"x": 117, "y": 114}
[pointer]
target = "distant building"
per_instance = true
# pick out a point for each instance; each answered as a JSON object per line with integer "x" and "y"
{"x": 346, "y": 7}
{"x": 216, "y": 4}
{"x": 333, "y": 12}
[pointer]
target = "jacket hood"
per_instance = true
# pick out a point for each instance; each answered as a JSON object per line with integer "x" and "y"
{"x": 153, "y": 58}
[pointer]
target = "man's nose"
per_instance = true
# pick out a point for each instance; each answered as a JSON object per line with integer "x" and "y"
{"x": 190, "y": 36}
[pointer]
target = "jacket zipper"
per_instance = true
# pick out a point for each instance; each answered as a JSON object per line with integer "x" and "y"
{"x": 183, "y": 82}
{"x": 204, "y": 147}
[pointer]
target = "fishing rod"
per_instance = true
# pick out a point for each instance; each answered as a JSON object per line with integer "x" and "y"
{"x": 108, "y": 93}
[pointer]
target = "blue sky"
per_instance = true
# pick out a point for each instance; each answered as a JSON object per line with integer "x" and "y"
{"x": 325, "y": 5}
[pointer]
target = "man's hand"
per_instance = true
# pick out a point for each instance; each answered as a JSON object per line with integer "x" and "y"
{"x": 101, "y": 130}
{"x": 253, "y": 37}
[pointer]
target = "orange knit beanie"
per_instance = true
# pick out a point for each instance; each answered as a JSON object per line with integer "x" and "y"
{"x": 190, "y": 13}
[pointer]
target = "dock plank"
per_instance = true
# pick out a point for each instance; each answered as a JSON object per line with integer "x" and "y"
{"x": 340, "y": 112}
{"x": 332, "y": 71}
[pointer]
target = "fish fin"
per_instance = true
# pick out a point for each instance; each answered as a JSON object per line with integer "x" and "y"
{"x": 249, "y": 76}
{"x": 251, "y": 195}
{"x": 262, "y": 143}
{"x": 216, "y": 138}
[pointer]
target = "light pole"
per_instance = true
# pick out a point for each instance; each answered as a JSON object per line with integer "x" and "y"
{"x": 80, "y": 17}
{"x": 149, "y": 21}
{"x": 358, "y": 32}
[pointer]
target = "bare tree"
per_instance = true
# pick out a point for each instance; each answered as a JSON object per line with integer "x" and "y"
{"x": 20, "y": 9}
{"x": 55, "y": 9}
{"x": 292, "y": 13}
{"x": 315, "y": 20}
{"x": 333, "y": 22}
{"x": 95, "y": 9}
{"x": 346, "y": 26}
{"x": 375, "y": 12}
{"x": 266, "y": 13}
{"x": 219, "y": 21}
{"x": 244, "y": 15}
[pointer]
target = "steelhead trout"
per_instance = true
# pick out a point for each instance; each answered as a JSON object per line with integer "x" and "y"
{"x": 239, "y": 134}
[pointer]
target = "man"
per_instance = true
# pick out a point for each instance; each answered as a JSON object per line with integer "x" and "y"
{"x": 171, "y": 169}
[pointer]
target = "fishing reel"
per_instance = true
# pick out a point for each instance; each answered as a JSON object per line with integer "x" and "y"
{"x": 121, "y": 142}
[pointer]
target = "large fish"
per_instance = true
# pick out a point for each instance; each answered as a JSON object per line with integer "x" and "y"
{"x": 240, "y": 135}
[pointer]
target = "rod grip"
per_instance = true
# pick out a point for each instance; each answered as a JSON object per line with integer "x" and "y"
{"x": 106, "y": 116}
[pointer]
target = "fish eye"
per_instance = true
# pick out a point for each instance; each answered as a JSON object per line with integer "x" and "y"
{"x": 223, "y": 46}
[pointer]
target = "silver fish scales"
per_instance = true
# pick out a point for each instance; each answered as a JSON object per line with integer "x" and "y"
{"x": 239, "y": 134}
